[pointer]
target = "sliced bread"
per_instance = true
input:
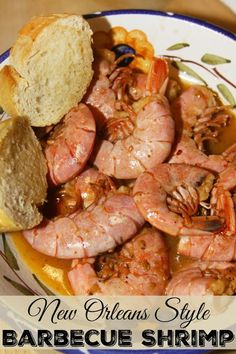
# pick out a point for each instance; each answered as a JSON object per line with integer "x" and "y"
{"x": 23, "y": 184}
{"x": 50, "y": 69}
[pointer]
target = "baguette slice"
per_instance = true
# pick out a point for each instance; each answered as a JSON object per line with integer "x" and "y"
{"x": 23, "y": 184}
{"x": 50, "y": 69}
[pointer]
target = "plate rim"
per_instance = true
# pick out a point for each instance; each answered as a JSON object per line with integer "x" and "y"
{"x": 185, "y": 18}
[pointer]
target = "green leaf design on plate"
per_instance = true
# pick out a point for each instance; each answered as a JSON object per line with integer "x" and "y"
{"x": 9, "y": 254}
{"x": 213, "y": 59}
{"x": 1, "y": 110}
{"x": 19, "y": 287}
{"x": 178, "y": 46}
{"x": 227, "y": 94}
{"x": 184, "y": 68}
{"x": 47, "y": 291}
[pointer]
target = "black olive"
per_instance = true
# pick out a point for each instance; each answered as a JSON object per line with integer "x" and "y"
{"x": 121, "y": 49}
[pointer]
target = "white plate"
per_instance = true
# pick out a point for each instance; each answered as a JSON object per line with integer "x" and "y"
{"x": 164, "y": 30}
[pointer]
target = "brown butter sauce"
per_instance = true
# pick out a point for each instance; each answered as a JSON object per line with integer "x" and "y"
{"x": 53, "y": 271}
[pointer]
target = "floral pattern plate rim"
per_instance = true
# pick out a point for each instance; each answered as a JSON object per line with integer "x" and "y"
{"x": 208, "y": 61}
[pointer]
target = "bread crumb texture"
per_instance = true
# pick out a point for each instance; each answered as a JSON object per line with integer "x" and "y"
{"x": 23, "y": 184}
{"x": 50, "y": 69}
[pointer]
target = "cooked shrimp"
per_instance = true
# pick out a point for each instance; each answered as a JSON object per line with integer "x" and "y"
{"x": 199, "y": 114}
{"x": 199, "y": 119}
{"x": 100, "y": 96}
{"x": 156, "y": 80}
{"x": 90, "y": 232}
{"x": 220, "y": 246}
{"x": 148, "y": 143}
{"x": 140, "y": 267}
{"x": 187, "y": 152}
{"x": 205, "y": 278}
{"x": 70, "y": 145}
{"x": 82, "y": 192}
{"x": 137, "y": 130}
{"x": 168, "y": 196}
{"x": 92, "y": 186}
{"x": 112, "y": 84}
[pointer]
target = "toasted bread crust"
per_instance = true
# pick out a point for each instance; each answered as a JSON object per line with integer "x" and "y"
{"x": 8, "y": 80}
{"x": 23, "y": 169}
{"x": 28, "y": 34}
{"x": 22, "y": 90}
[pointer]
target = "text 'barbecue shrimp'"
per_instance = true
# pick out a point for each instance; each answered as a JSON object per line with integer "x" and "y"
{"x": 199, "y": 119}
{"x": 140, "y": 267}
{"x": 70, "y": 145}
{"x": 169, "y": 195}
{"x": 205, "y": 278}
{"x": 220, "y": 246}
{"x": 90, "y": 232}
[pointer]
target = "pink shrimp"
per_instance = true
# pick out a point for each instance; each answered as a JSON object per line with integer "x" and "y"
{"x": 92, "y": 186}
{"x": 70, "y": 145}
{"x": 187, "y": 153}
{"x": 100, "y": 97}
{"x": 112, "y": 84}
{"x": 90, "y": 232}
{"x": 136, "y": 127}
{"x": 199, "y": 119}
{"x": 147, "y": 143}
{"x": 80, "y": 193}
{"x": 205, "y": 278}
{"x": 168, "y": 196}
{"x": 140, "y": 267}
{"x": 220, "y": 246}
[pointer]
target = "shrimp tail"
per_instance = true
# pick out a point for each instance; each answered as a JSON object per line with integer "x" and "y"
{"x": 87, "y": 278}
{"x": 157, "y": 78}
{"x": 208, "y": 223}
{"x": 230, "y": 154}
{"x": 203, "y": 226}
